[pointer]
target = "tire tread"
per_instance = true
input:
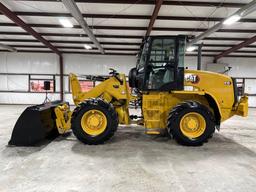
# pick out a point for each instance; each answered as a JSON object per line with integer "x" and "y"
{"x": 97, "y": 102}
{"x": 174, "y": 115}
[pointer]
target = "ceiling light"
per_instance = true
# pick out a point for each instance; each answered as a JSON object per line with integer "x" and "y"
{"x": 66, "y": 23}
{"x": 191, "y": 48}
{"x": 88, "y": 47}
{"x": 232, "y": 19}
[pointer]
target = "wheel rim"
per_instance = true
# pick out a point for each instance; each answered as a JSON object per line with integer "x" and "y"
{"x": 192, "y": 125}
{"x": 94, "y": 122}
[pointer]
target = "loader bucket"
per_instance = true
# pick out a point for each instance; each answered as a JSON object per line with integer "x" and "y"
{"x": 35, "y": 124}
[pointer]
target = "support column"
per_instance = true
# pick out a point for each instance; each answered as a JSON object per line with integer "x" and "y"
{"x": 199, "y": 57}
{"x": 61, "y": 78}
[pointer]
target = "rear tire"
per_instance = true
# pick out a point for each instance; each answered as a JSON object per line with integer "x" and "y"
{"x": 90, "y": 133}
{"x": 191, "y": 123}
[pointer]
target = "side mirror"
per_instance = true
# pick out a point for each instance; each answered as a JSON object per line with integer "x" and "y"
{"x": 112, "y": 72}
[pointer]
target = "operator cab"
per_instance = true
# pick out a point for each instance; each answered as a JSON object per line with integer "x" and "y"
{"x": 160, "y": 65}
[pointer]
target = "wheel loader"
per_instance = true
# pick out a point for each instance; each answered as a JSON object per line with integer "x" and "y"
{"x": 187, "y": 105}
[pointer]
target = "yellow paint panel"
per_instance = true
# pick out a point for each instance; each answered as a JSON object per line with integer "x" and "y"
{"x": 157, "y": 105}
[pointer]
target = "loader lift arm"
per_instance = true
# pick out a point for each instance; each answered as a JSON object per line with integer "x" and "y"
{"x": 114, "y": 90}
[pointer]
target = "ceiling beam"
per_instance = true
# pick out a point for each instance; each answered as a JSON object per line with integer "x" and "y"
{"x": 105, "y": 43}
{"x": 119, "y": 49}
{"x": 76, "y": 47}
{"x": 7, "y": 47}
{"x": 225, "y": 38}
{"x": 212, "y": 55}
{"x": 226, "y": 45}
{"x": 114, "y": 36}
{"x": 122, "y": 54}
{"x": 235, "y": 48}
{"x": 73, "y": 35}
{"x": 242, "y": 12}
{"x": 217, "y": 51}
{"x": 72, "y": 7}
{"x": 120, "y": 16}
{"x": 154, "y": 16}
{"x": 152, "y": 2}
{"x": 136, "y": 28}
{"x": 71, "y": 42}
{"x": 8, "y": 13}
{"x": 74, "y": 52}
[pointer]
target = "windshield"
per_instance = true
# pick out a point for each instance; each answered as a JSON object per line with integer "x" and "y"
{"x": 182, "y": 46}
{"x": 143, "y": 57}
{"x": 161, "y": 63}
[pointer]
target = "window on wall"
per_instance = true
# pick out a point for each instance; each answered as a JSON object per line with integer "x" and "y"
{"x": 37, "y": 85}
{"x": 86, "y": 85}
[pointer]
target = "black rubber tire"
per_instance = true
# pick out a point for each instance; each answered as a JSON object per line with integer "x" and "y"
{"x": 132, "y": 77}
{"x": 176, "y": 115}
{"x": 109, "y": 112}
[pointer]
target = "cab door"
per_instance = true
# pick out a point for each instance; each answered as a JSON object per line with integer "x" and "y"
{"x": 164, "y": 69}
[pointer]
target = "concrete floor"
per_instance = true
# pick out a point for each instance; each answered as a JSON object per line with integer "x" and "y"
{"x": 131, "y": 161}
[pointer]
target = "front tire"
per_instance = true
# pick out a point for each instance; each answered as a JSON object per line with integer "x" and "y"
{"x": 191, "y": 123}
{"x": 94, "y": 121}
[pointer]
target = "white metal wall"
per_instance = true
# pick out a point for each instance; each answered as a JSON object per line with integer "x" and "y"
{"x": 97, "y": 64}
{"x": 25, "y": 63}
{"x": 46, "y": 63}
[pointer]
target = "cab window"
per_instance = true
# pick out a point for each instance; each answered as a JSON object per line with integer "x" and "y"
{"x": 143, "y": 57}
{"x": 161, "y": 65}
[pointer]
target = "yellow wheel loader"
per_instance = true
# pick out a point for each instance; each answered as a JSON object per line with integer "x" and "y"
{"x": 188, "y": 105}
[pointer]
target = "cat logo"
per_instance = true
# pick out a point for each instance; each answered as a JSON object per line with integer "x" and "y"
{"x": 192, "y": 78}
